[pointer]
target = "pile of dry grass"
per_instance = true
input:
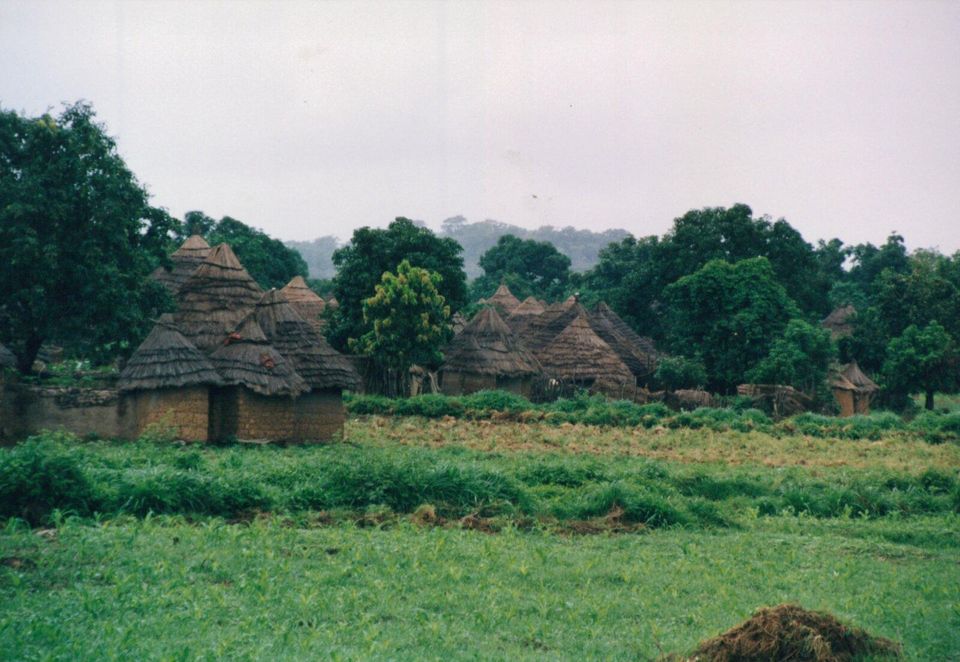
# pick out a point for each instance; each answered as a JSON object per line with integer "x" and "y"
{"x": 790, "y": 632}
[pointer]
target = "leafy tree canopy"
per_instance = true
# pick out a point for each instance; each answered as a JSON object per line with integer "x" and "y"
{"x": 269, "y": 261}
{"x": 373, "y": 252}
{"x": 77, "y": 239}
{"x": 676, "y": 372}
{"x": 922, "y": 360}
{"x": 529, "y": 267}
{"x": 728, "y": 315}
{"x": 800, "y": 358}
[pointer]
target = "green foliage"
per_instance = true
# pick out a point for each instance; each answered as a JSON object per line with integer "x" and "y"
{"x": 373, "y": 252}
{"x": 800, "y": 358}
{"x": 528, "y": 267}
{"x": 77, "y": 239}
{"x": 407, "y": 319}
{"x": 728, "y": 315}
{"x": 922, "y": 360}
{"x": 677, "y": 372}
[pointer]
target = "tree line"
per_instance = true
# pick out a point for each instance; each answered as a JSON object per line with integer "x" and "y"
{"x": 728, "y": 296}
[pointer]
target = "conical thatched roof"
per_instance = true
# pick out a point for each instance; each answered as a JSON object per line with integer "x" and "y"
{"x": 7, "y": 359}
{"x": 185, "y": 260}
{"x": 522, "y": 314}
{"x": 640, "y": 363}
{"x": 320, "y": 365}
{"x": 643, "y": 343}
{"x": 247, "y": 359}
{"x": 543, "y": 328}
{"x": 304, "y": 300}
{"x": 852, "y": 378}
{"x": 840, "y": 322}
{"x": 504, "y": 300}
{"x": 487, "y": 346}
{"x": 216, "y": 297}
{"x": 166, "y": 360}
{"x": 578, "y": 353}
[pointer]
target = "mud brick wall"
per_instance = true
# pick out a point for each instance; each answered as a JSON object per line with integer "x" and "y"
{"x": 463, "y": 383}
{"x": 186, "y": 410}
{"x": 262, "y": 418}
{"x": 97, "y": 412}
{"x": 319, "y": 416}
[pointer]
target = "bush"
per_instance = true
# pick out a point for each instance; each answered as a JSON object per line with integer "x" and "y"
{"x": 39, "y": 476}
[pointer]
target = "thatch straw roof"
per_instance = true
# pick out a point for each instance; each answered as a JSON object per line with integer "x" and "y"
{"x": 578, "y": 353}
{"x": 320, "y": 365}
{"x": 640, "y": 363}
{"x": 304, "y": 300}
{"x": 840, "y": 322}
{"x": 185, "y": 261}
{"x": 247, "y": 359}
{"x": 487, "y": 346}
{"x": 504, "y": 300}
{"x": 539, "y": 330}
{"x": 166, "y": 360}
{"x": 7, "y": 359}
{"x": 644, "y": 343}
{"x": 851, "y": 378}
{"x": 216, "y": 297}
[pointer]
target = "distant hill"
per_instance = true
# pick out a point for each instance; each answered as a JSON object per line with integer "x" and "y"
{"x": 581, "y": 246}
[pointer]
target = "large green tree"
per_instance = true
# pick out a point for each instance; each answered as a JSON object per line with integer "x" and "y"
{"x": 922, "y": 360}
{"x": 269, "y": 261}
{"x": 801, "y": 358}
{"x": 528, "y": 266}
{"x": 407, "y": 320}
{"x": 77, "y": 238}
{"x": 728, "y": 316}
{"x": 373, "y": 252}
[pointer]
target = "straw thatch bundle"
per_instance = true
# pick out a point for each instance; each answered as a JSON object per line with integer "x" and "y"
{"x": 504, "y": 300}
{"x": 185, "y": 261}
{"x": 840, "y": 322}
{"x": 166, "y": 360}
{"x": 851, "y": 378}
{"x": 540, "y": 330}
{"x": 578, "y": 354}
{"x": 524, "y": 313}
{"x": 304, "y": 300}
{"x": 247, "y": 359}
{"x": 644, "y": 344}
{"x": 640, "y": 363}
{"x": 487, "y": 346}
{"x": 320, "y": 365}
{"x": 216, "y": 297}
{"x": 7, "y": 359}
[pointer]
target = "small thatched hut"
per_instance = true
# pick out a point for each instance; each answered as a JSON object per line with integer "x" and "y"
{"x": 184, "y": 261}
{"x": 579, "y": 357}
{"x": 641, "y": 363}
{"x": 642, "y": 343}
{"x": 486, "y": 355}
{"x": 7, "y": 359}
{"x": 504, "y": 300}
{"x": 840, "y": 322}
{"x": 523, "y": 314}
{"x": 853, "y": 390}
{"x": 320, "y": 413}
{"x": 167, "y": 381}
{"x": 541, "y": 329}
{"x": 258, "y": 399}
{"x": 215, "y": 298}
{"x": 305, "y": 301}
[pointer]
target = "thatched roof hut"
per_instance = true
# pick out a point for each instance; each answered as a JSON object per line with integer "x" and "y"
{"x": 304, "y": 300}
{"x": 579, "y": 355}
{"x": 840, "y": 322}
{"x": 487, "y": 346}
{"x": 643, "y": 343}
{"x": 853, "y": 390}
{"x": 320, "y": 365}
{"x": 166, "y": 360}
{"x": 541, "y": 329}
{"x": 504, "y": 300}
{"x": 7, "y": 359}
{"x": 247, "y": 359}
{"x": 184, "y": 261}
{"x": 640, "y": 363}
{"x": 215, "y": 298}
{"x": 522, "y": 314}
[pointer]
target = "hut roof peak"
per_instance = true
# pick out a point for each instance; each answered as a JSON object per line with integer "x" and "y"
{"x": 486, "y": 345}
{"x": 166, "y": 359}
{"x": 193, "y": 243}
{"x": 247, "y": 359}
{"x": 579, "y": 353}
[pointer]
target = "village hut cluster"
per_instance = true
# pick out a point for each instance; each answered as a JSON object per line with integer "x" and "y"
{"x": 233, "y": 361}
{"x": 547, "y": 350}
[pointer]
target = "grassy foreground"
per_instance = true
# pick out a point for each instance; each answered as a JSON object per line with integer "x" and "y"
{"x": 370, "y": 548}
{"x": 165, "y": 589}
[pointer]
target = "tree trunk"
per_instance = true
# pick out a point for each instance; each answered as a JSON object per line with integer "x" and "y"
{"x": 929, "y": 403}
{"x": 29, "y": 354}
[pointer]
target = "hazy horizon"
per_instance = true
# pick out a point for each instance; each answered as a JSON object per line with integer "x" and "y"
{"x": 312, "y": 119}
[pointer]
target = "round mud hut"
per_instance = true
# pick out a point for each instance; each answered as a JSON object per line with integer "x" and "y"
{"x": 215, "y": 299}
{"x": 183, "y": 262}
{"x": 486, "y": 355}
{"x": 853, "y": 390}
{"x": 320, "y": 413}
{"x": 305, "y": 301}
{"x": 258, "y": 399}
{"x": 579, "y": 359}
{"x": 167, "y": 382}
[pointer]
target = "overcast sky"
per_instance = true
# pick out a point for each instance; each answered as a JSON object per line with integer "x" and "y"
{"x": 308, "y": 119}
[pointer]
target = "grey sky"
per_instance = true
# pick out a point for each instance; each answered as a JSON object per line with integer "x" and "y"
{"x": 307, "y": 119}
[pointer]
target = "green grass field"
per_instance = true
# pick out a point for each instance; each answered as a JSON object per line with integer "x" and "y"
{"x": 427, "y": 539}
